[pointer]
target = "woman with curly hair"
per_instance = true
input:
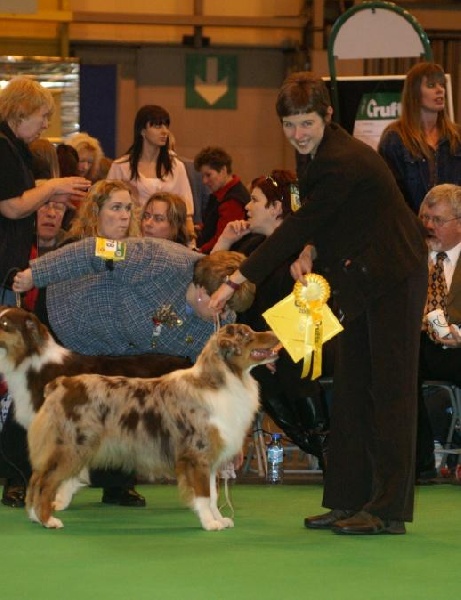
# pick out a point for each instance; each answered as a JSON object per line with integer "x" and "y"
{"x": 107, "y": 211}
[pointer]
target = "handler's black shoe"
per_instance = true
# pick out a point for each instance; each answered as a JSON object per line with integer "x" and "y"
{"x": 14, "y": 496}
{"x": 363, "y": 523}
{"x": 123, "y": 497}
{"x": 327, "y": 520}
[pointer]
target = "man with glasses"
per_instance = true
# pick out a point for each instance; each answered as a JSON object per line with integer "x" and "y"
{"x": 49, "y": 234}
{"x": 440, "y": 357}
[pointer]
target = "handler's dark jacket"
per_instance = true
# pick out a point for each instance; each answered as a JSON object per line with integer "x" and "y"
{"x": 367, "y": 238}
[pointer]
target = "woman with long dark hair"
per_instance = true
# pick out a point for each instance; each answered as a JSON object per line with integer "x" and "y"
{"x": 149, "y": 166}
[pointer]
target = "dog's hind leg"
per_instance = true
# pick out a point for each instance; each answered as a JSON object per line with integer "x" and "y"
{"x": 39, "y": 501}
{"x": 68, "y": 488}
{"x": 31, "y": 498}
{"x": 57, "y": 468}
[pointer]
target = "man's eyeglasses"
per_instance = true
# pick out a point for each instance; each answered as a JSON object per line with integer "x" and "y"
{"x": 436, "y": 221}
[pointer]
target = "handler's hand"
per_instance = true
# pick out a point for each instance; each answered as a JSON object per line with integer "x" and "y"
{"x": 67, "y": 189}
{"x": 23, "y": 281}
{"x": 303, "y": 265}
{"x": 220, "y": 297}
{"x": 77, "y": 186}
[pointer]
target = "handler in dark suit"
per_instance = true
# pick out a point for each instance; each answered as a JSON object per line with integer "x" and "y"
{"x": 371, "y": 249}
{"x": 440, "y": 359}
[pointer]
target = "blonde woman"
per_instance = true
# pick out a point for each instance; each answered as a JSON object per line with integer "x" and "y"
{"x": 107, "y": 211}
{"x": 25, "y": 111}
{"x": 90, "y": 155}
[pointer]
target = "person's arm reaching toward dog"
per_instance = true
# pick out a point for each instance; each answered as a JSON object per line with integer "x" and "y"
{"x": 79, "y": 259}
{"x": 298, "y": 269}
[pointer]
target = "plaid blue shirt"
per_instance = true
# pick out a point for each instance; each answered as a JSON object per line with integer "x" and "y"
{"x": 95, "y": 310}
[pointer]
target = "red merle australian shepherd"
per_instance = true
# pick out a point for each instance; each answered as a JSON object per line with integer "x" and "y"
{"x": 188, "y": 423}
{"x": 30, "y": 358}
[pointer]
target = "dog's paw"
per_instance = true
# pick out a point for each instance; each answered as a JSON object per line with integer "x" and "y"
{"x": 213, "y": 525}
{"x": 228, "y": 523}
{"x": 53, "y": 523}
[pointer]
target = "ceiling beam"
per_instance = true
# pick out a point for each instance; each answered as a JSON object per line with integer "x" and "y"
{"x": 192, "y": 20}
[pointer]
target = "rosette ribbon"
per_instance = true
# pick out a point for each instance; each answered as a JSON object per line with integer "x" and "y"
{"x": 303, "y": 322}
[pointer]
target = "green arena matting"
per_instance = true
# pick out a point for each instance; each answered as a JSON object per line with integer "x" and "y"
{"x": 160, "y": 552}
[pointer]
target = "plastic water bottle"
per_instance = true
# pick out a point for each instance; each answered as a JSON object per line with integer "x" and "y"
{"x": 438, "y": 447}
{"x": 275, "y": 459}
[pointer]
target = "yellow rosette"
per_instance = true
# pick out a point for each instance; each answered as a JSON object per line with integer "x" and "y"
{"x": 303, "y": 322}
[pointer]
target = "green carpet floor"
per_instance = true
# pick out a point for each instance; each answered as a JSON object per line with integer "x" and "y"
{"x": 160, "y": 552}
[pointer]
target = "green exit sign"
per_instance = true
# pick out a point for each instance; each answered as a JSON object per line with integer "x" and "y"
{"x": 211, "y": 81}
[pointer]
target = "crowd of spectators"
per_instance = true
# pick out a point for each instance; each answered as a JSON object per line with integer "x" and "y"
{"x": 363, "y": 219}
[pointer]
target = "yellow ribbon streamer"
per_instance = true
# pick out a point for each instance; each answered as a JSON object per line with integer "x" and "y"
{"x": 310, "y": 299}
{"x": 303, "y": 322}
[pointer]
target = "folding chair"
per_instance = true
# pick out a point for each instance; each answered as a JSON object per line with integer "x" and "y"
{"x": 296, "y": 461}
{"x": 454, "y": 393}
{"x": 257, "y": 447}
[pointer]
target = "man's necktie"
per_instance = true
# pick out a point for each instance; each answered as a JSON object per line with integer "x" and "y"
{"x": 437, "y": 288}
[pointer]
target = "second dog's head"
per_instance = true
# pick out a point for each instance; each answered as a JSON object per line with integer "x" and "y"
{"x": 22, "y": 335}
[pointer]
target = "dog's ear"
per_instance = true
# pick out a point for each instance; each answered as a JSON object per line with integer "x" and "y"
{"x": 229, "y": 346}
{"x": 37, "y": 332}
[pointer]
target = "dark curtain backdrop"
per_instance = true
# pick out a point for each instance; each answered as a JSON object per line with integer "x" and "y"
{"x": 98, "y": 104}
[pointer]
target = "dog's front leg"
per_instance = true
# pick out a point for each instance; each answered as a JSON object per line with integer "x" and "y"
{"x": 207, "y": 508}
{"x": 214, "y": 501}
{"x": 194, "y": 476}
{"x": 209, "y": 521}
